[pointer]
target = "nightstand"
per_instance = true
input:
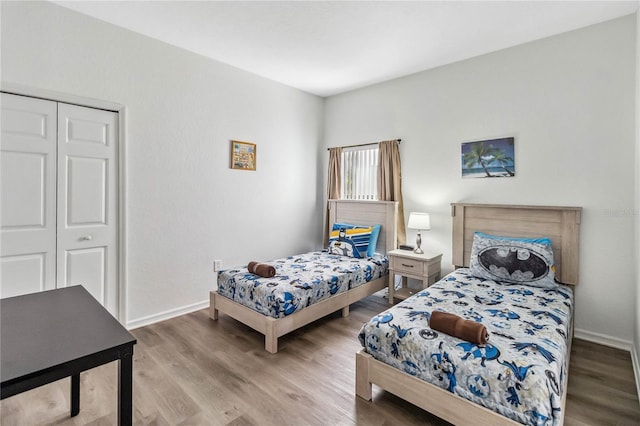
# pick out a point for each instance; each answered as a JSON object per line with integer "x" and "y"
{"x": 424, "y": 267}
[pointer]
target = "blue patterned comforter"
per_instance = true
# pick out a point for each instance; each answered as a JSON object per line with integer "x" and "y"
{"x": 300, "y": 281}
{"x": 519, "y": 373}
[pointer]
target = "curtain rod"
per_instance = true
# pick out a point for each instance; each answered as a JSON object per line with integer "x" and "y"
{"x": 362, "y": 144}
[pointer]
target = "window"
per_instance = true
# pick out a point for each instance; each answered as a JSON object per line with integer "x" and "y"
{"x": 360, "y": 173}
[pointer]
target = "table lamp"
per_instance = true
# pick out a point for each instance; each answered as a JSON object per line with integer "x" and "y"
{"x": 421, "y": 222}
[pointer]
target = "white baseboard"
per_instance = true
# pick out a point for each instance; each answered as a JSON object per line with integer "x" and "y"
{"x": 150, "y": 319}
{"x": 603, "y": 339}
{"x": 636, "y": 367}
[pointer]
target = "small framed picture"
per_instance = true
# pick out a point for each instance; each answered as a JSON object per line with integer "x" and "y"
{"x": 488, "y": 158}
{"x": 243, "y": 155}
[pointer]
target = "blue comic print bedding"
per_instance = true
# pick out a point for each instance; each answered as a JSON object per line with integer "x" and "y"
{"x": 300, "y": 281}
{"x": 519, "y": 373}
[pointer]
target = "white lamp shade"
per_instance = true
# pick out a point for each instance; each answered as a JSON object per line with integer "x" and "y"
{"x": 420, "y": 221}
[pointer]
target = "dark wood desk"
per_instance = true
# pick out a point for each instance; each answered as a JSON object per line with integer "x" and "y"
{"x": 55, "y": 334}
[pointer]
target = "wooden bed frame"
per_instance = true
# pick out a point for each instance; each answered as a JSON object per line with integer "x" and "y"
{"x": 561, "y": 224}
{"x": 344, "y": 211}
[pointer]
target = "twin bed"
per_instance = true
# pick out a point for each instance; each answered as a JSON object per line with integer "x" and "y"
{"x": 309, "y": 286}
{"x": 520, "y": 376}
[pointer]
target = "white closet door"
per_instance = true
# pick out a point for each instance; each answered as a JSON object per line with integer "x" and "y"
{"x": 87, "y": 188}
{"x": 27, "y": 195}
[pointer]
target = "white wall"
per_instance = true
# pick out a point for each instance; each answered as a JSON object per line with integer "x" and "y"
{"x": 185, "y": 206}
{"x": 569, "y": 101}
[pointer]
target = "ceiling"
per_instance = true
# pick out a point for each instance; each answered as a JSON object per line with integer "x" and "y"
{"x": 329, "y": 47}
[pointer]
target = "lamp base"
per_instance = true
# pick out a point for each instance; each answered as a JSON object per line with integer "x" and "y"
{"x": 418, "y": 250}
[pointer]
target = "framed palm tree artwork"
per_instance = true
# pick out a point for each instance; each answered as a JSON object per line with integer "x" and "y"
{"x": 488, "y": 158}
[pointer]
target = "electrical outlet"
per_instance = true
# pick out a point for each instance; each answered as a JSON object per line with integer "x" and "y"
{"x": 217, "y": 265}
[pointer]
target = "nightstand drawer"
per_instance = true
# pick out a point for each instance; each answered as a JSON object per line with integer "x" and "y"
{"x": 411, "y": 266}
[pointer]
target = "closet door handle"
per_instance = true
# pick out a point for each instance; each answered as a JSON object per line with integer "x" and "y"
{"x": 86, "y": 238}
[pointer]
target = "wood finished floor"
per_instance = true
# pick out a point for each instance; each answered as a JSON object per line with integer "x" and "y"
{"x": 193, "y": 371}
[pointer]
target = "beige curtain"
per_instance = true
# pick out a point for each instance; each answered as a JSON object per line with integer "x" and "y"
{"x": 334, "y": 182}
{"x": 390, "y": 181}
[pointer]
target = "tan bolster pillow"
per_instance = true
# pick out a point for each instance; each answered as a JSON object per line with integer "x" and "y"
{"x": 461, "y": 328}
{"x": 262, "y": 269}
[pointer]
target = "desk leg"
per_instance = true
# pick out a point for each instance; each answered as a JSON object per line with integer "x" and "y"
{"x": 125, "y": 388}
{"x": 75, "y": 394}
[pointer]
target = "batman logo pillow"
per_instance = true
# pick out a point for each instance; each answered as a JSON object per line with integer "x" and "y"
{"x": 513, "y": 263}
{"x": 513, "y": 260}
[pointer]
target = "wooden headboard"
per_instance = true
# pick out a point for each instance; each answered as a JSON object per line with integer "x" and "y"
{"x": 560, "y": 224}
{"x": 357, "y": 212}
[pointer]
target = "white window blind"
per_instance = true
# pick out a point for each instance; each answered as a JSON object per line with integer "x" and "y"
{"x": 360, "y": 173}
